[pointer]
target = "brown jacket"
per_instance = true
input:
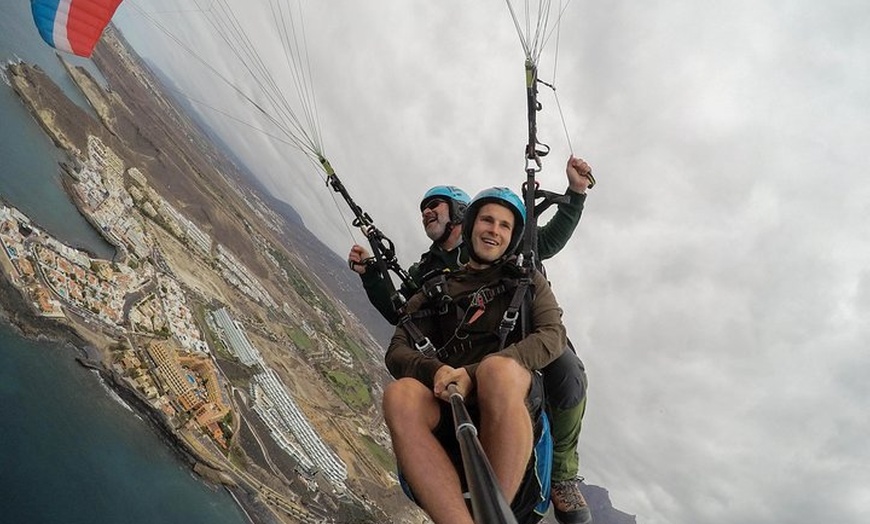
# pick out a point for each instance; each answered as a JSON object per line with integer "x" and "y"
{"x": 464, "y": 335}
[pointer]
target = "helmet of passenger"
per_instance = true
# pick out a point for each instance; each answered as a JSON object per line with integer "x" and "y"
{"x": 457, "y": 200}
{"x": 504, "y": 197}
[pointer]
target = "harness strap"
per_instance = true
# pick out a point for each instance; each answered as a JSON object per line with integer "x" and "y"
{"x": 480, "y": 298}
{"x": 512, "y": 313}
{"x": 435, "y": 289}
{"x": 428, "y": 312}
{"x": 488, "y": 294}
{"x": 421, "y": 341}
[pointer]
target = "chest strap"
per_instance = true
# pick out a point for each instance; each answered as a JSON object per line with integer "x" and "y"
{"x": 481, "y": 297}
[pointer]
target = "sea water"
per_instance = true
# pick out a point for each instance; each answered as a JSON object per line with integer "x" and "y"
{"x": 71, "y": 453}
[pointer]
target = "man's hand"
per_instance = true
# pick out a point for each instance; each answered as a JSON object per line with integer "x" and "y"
{"x": 579, "y": 175}
{"x": 357, "y": 258}
{"x": 447, "y": 375}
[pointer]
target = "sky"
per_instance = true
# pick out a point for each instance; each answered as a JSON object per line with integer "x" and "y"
{"x": 718, "y": 287}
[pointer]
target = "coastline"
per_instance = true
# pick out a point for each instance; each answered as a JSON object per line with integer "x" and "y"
{"x": 66, "y": 181}
{"x": 265, "y": 497}
{"x": 92, "y": 354}
{"x": 15, "y": 311}
{"x": 18, "y": 314}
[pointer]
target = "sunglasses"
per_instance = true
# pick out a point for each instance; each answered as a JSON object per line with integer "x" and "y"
{"x": 435, "y": 202}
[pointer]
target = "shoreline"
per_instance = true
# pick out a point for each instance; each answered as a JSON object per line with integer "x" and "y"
{"x": 16, "y": 311}
{"x": 94, "y": 346}
{"x": 20, "y": 316}
{"x": 155, "y": 418}
{"x": 66, "y": 181}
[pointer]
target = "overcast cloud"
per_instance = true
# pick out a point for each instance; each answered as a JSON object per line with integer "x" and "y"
{"x": 718, "y": 286}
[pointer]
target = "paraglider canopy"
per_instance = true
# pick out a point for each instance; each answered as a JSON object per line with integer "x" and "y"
{"x": 73, "y": 26}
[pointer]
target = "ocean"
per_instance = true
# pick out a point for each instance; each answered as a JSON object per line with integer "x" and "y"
{"x": 70, "y": 452}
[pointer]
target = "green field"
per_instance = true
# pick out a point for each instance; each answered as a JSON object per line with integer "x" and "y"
{"x": 350, "y": 388}
{"x": 351, "y": 345}
{"x": 381, "y": 455}
{"x": 300, "y": 339}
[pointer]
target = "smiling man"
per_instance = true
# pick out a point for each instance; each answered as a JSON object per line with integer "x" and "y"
{"x": 498, "y": 378}
{"x": 565, "y": 382}
{"x": 491, "y": 235}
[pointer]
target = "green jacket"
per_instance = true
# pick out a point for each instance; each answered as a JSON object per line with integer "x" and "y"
{"x": 465, "y": 338}
{"x": 552, "y": 237}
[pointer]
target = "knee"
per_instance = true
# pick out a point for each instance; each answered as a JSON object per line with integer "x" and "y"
{"x": 565, "y": 381}
{"x": 404, "y": 400}
{"x": 497, "y": 375}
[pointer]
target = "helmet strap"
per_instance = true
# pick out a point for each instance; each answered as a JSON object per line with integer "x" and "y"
{"x": 444, "y": 236}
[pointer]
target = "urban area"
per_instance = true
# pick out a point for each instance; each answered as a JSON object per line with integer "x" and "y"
{"x": 169, "y": 355}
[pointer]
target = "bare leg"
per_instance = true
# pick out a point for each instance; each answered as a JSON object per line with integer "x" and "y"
{"x": 506, "y": 432}
{"x": 412, "y": 412}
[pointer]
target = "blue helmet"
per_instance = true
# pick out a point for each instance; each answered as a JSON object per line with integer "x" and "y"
{"x": 457, "y": 201}
{"x": 504, "y": 197}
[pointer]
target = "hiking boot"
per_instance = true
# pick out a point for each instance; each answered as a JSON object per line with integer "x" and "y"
{"x": 569, "y": 506}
